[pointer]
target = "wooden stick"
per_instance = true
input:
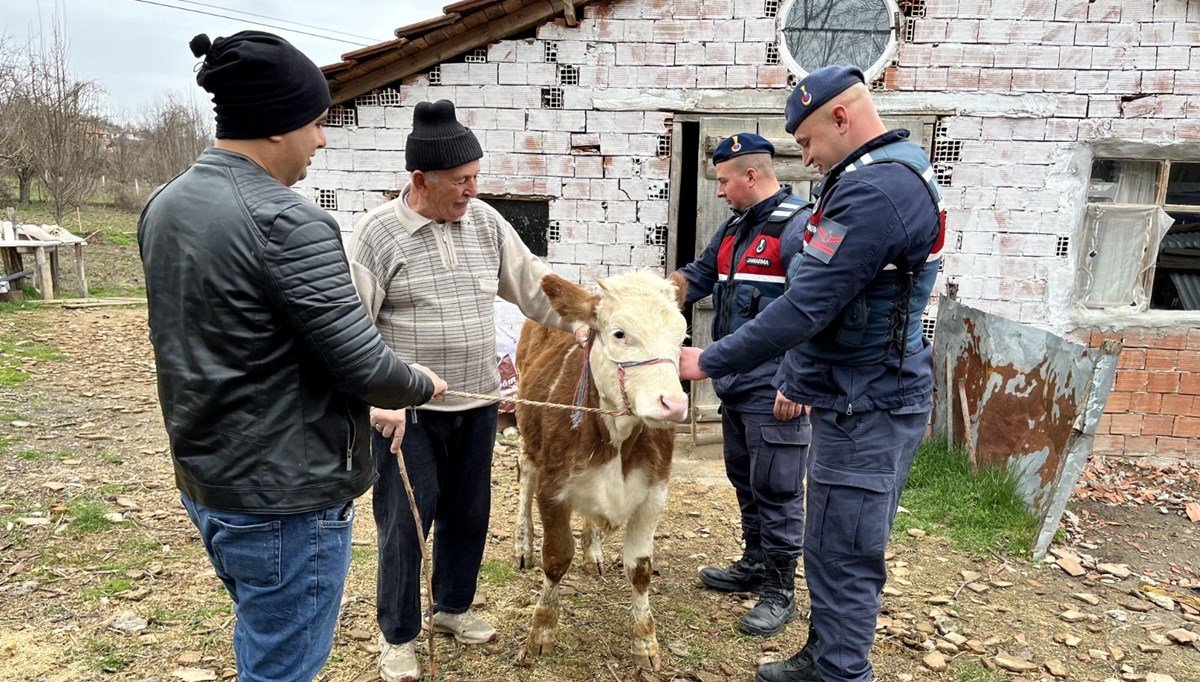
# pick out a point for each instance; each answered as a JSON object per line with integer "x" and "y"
{"x": 968, "y": 435}
{"x": 426, "y": 562}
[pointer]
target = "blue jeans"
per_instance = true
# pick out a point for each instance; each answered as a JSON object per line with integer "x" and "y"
{"x": 285, "y": 573}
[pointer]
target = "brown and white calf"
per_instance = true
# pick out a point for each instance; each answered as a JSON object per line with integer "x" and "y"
{"x": 612, "y": 470}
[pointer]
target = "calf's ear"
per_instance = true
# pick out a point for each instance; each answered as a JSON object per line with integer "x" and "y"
{"x": 681, "y": 287}
{"x": 572, "y": 302}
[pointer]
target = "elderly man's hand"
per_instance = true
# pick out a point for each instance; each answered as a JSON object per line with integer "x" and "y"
{"x": 390, "y": 424}
{"x": 689, "y": 364}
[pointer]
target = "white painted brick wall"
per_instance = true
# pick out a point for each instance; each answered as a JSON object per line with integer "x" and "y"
{"x": 1112, "y": 68}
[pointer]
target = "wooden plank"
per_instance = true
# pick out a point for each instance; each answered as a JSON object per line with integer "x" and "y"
{"x": 426, "y": 26}
{"x": 386, "y": 69}
{"x": 100, "y": 303}
{"x": 711, "y": 211}
{"x": 15, "y": 275}
{"x": 673, "y": 263}
{"x": 42, "y": 273}
{"x": 80, "y": 277}
{"x": 53, "y": 253}
{"x": 468, "y": 6}
{"x": 372, "y": 50}
{"x": 968, "y": 434}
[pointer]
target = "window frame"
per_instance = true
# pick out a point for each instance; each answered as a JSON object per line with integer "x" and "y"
{"x": 876, "y": 68}
{"x": 1160, "y": 202}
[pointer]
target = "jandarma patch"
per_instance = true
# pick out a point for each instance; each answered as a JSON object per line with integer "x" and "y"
{"x": 825, "y": 240}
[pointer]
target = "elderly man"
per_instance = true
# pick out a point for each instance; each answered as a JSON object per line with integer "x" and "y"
{"x": 766, "y": 435}
{"x": 849, "y": 324}
{"x": 428, "y": 266}
{"x": 266, "y": 361}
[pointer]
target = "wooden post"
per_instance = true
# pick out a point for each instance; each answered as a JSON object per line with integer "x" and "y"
{"x": 968, "y": 434}
{"x": 53, "y": 253}
{"x": 80, "y": 278}
{"x": 42, "y": 273}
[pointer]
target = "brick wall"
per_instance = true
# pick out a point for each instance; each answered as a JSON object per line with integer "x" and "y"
{"x": 1154, "y": 406}
{"x": 607, "y": 171}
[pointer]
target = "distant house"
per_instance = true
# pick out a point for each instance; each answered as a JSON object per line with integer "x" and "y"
{"x": 1065, "y": 135}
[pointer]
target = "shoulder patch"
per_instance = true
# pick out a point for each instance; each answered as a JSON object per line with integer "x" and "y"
{"x": 787, "y": 208}
{"x": 825, "y": 239}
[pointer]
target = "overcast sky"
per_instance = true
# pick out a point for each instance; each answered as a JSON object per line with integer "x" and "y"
{"x": 138, "y": 51}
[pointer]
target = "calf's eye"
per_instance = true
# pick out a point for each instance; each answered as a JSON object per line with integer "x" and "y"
{"x": 618, "y": 334}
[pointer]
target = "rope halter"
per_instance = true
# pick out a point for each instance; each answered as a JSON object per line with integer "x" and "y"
{"x": 585, "y": 376}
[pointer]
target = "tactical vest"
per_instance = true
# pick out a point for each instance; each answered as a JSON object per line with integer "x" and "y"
{"x": 879, "y": 318}
{"x": 759, "y": 274}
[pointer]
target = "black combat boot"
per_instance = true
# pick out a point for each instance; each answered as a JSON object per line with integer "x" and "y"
{"x": 799, "y": 668}
{"x": 777, "y": 603}
{"x": 744, "y": 575}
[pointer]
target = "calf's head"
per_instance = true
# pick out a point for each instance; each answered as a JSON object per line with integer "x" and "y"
{"x": 638, "y": 329}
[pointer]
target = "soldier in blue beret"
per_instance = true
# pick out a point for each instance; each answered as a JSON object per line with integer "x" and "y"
{"x": 849, "y": 324}
{"x": 766, "y": 435}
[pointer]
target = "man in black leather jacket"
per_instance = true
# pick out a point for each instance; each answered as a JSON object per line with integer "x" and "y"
{"x": 266, "y": 359}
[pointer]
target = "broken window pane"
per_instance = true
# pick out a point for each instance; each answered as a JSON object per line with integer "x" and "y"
{"x": 1177, "y": 273}
{"x": 1183, "y": 186}
{"x": 818, "y": 33}
{"x": 1116, "y": 181}
{"x": 1119, "y": 249}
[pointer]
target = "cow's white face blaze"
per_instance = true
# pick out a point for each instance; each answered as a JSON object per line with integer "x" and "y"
{"x": 637, "y": 318}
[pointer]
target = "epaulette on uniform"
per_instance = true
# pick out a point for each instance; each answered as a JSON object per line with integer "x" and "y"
{"x": 788, "y": 208}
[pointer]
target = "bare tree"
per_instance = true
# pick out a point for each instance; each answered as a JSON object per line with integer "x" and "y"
{"x": 173, "y": 132}
{"x": 65, "y": 130}
{"x": 16, "y": 109}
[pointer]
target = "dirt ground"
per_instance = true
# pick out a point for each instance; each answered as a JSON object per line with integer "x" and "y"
{"x": 102, "y": 577}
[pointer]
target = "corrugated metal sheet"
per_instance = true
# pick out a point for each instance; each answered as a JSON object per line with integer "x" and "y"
{"x": 1188, "y": 286}
{"x": 1181, "y": 240}
{"x": 1032, "y": 402}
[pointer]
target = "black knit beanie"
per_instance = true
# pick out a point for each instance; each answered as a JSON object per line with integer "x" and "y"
{"x": 438, "y": 141}
{"x": 261, "y": 85}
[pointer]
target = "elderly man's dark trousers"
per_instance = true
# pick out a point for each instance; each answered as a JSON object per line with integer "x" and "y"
{"x": 449, "y": 460}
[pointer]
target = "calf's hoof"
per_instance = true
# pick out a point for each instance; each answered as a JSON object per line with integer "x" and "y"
{"x": 646, "y": 662}
{"x": 645, "y": 654}
{"x": 537, "y": 644}
{"x": 523, "y": 559}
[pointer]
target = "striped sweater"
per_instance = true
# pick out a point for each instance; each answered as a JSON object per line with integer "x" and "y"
{"x": 431, "y": 288}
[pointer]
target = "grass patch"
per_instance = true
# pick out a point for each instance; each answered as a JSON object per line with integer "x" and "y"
{"x": 360, "y": 556}
{"x": 110, "y": 457}
{"x": 493, "y": 572}
{"x": 100, "y": 291}
{"x": 7, "y": 307}
{"x": 4, "y": 443}
{"x": 88, "y": 516}
{"x": 978, "y": 511}
{"x": 106, "y": 656}
{"x": 14, "y": 353}
{"x": 111, "y": 225}
{"x": 972, "y": 672}
{"x": 142, "y": 547}
{"x": 108, "y": 589}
